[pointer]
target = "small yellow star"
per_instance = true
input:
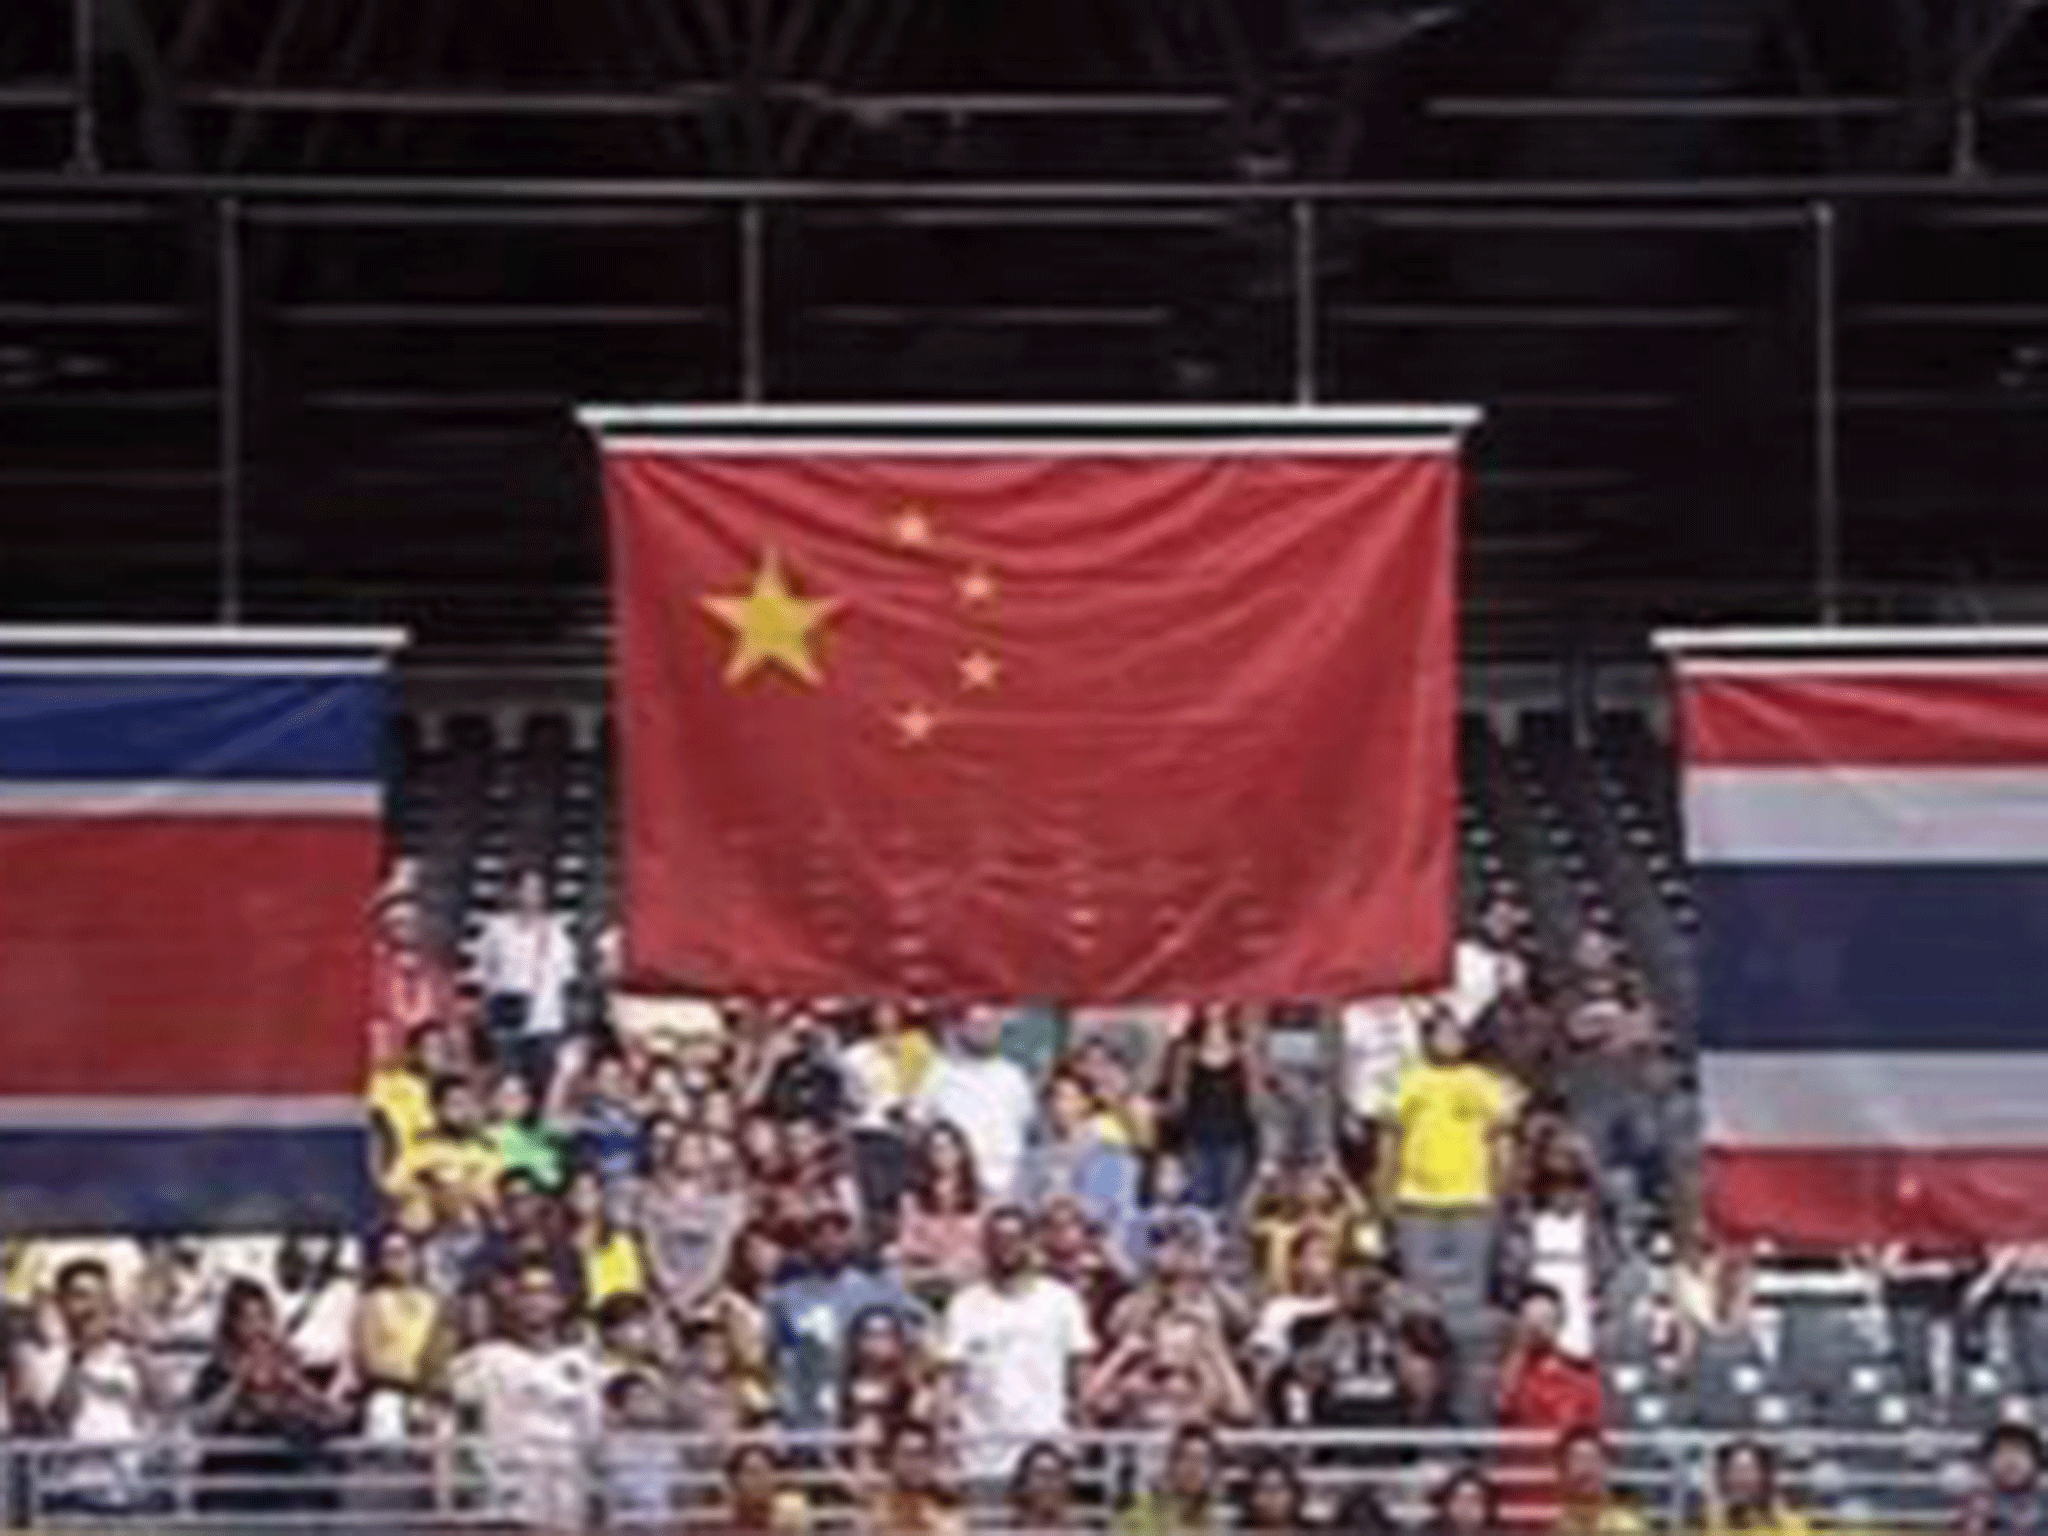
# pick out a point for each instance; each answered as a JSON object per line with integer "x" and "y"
{"x": 915, "y": 725}
{"x": 772, "y": 624}
{"x": 979, "y": 671}
{"x": 911, "y": 526}
{"x": 977, "y": 588}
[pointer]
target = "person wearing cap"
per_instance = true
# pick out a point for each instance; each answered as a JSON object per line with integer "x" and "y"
{"x": 811, "y": 1316}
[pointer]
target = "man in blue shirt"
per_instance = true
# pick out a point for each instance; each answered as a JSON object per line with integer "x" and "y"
{"x": 811, "y": 1315}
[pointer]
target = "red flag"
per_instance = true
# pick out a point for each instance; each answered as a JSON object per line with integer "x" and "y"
{"x": 1115, "y": 725}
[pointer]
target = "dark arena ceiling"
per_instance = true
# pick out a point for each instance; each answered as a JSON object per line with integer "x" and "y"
{"x": 334, "y": 272}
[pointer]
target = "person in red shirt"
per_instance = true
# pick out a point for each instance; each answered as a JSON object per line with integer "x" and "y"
{"x": 1542, "y": 1389}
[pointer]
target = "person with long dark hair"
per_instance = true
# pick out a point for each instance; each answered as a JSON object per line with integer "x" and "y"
{"x": 253, "y": 1387}
{"x": 1215, "y": 1080}
{"x": 1274, "y": 1500}
{"x": 938, "y": 1230}
{"x": 1464, "y": 1504}
{"x": 1041, "y": 1495}
{"x": 1745, "y": 1495}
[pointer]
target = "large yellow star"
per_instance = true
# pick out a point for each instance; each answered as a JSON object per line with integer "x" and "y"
{"x": 772, "y": 624}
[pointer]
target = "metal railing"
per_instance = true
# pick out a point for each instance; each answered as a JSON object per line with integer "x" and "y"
{"x": 1893, "y": 1480}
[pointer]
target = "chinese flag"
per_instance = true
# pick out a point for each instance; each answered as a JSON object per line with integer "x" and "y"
{"x": 995, "y": 725}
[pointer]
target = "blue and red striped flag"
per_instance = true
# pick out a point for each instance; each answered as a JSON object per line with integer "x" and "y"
{"x": 1869, "y": 840}
{"x": 190, "y": 835}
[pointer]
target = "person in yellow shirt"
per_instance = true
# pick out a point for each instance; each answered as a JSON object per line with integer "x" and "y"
{"x": 456, "y": 1158}
{"x": 1444, "y": 1168}
{"x": 1588, "y": 1507}
{"x": 612, "y": 1262}
{"x": 1745, "y": 1494}
{"x": 401, "y": 1092}
{"x": 398, "y": 1326}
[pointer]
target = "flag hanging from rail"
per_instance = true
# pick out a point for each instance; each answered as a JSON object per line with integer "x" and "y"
{"x": 191, "y": 828}
{"x": 998, "y": 705}
{"x": 1867, "y": 820}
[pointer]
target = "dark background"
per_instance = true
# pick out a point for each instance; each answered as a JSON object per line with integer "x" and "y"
{"x": 447, "y": 222}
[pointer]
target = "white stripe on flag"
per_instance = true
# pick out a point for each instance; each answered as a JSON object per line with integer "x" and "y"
{"x": 143, "y": 1112}
{"x": 188, "y": 797}
{"x": 1857, "y": 1099}
{"x": 1774, "y": 815}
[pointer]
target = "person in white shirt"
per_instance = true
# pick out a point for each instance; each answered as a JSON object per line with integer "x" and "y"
{"x": 537, "y": 1403}
{"x": 1012, "y": 1344}
{"x": 1485, "y": 966}
{"x": 986, "y": 1097}
{"x": 525, "y": 964}
{"x": 89, "y": 1385}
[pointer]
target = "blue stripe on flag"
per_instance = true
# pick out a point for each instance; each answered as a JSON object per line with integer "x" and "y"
{"x": 185, "y": 1181}
{"x": 1873, "y": 957}
{"x": 191, "y": 727}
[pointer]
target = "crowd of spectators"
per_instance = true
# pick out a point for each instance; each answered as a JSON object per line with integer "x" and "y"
{"x": 880, "y": 1264}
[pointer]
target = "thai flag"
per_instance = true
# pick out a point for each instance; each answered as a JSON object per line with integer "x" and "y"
{"x": 1869, "y": 841}
{"x": 190, "y": 831}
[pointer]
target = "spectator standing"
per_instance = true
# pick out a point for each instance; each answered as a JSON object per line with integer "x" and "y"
{"x": 1072, "y": 1159}
{"x": 526, "y": 964}
{"x": 688, "y": 1213}
{"x": 1215, "y": 1080}
{"x": 885, "y": 1384}
{"x": 604, "y": 1128}
{"x": 1557, "y": 1238}
{"x": 87, "y": 1384}
{"x": 534, "y": 1397}
{"x": 986, "y": 1097}
{"x": 1446, "y": 1165}
{"x": 884, "y": 1068}
{"x": 253, "y": 1388}
{"x": 411, "y": 983}
{"x": 608, "y": 1251}
{"x": 2011, "y": 1501}
{"x": 939, "y": 1230}
{"x": 1012, "y": 1345}
{"x": 810, "y": 1316}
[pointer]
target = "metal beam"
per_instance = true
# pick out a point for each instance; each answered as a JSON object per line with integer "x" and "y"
{"x": 85, "y": 116}
{"x": 36, "y": 95}
{"x": 232, "y": 363}
{"x": 495, "y": 315}
{"x": 1827, "y": 424}
{"x": 681, "y": 100}
{"x": 1541, "y": 316}
{"x": 1531, "y": 195}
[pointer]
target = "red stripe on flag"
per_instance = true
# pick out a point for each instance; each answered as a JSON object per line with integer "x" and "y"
{"x": 184, "y": 956}
{"x": 1947, "y": 1198}
{"x": 1865, "y": 719}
